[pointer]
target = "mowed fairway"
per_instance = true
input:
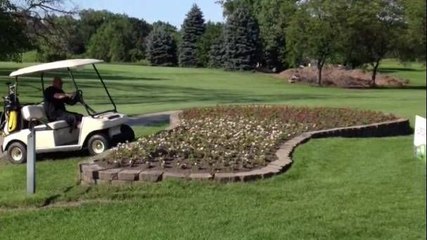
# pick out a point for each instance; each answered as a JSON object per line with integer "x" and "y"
{"x": 336, "y": 189}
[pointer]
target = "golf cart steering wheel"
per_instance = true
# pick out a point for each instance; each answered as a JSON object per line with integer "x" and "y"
{"x": 79, "y": 96}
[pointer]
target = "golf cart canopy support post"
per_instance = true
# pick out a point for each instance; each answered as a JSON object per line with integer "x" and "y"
{"x": 106, "y": 89}
{"x": 42, "y": 77}
{"x": 89, "y": 110}
{"x": 72, "y": 78}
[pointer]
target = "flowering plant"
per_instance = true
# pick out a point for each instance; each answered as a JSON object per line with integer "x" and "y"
{"x": 233, "y": 138}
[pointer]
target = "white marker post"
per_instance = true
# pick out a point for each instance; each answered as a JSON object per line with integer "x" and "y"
{"x": 420, "y": 137}
{"x": 31, "y": 161}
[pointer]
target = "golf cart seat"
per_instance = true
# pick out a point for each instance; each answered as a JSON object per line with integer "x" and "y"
{"x": 36, "y": 112}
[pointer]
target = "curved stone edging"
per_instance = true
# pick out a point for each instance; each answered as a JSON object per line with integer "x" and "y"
{"x": 92, "y": 173}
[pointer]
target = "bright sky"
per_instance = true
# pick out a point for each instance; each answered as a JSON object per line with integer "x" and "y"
{"x": 172, "y": 11}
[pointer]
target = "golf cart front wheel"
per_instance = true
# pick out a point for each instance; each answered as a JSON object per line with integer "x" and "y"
{"x": 97, "y": 144}
{"x": 17, "y": 153}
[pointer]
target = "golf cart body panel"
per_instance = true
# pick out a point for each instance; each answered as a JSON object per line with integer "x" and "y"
{"x": 99, "y": 130}
{"x": 61, "y": 133}
{"x": 44, "y": 140}
{"x": 108, "y": 121}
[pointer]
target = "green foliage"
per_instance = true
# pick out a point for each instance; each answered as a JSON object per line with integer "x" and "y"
{"x": 274, "y": 17}
{"x": 242, "y": 50}
{"x": 99, "y": 34}
{"x": 413, "y": 39}
{"x": 41, "y": 28}
{"x": 120, "y": 39}
{"x": 92, "y": 20}
{"x": 70, "y": 31}
{"x": 161, "y": 47}
{"x": 377, "y": 31}
{"x": 312, "y": 35}
{"x": 60, "y": 40}
{"x": 364, "y": 32}
{"x": 170, "y": 29}
{"x": 217, "y": 53}
{"x": 352, "y": 28}
{"x": 139, "y": 33}
{"x": 192, "y": 31}
{"x": 296, "y": 39}
{"x": 212, "y": 35}
{"x": 230, "y": 6}
{"x": 167, "y": 26}
{"x": 345, "y": 30}
{"x": 13, "y": 40}
{"x": 112, "y": 41}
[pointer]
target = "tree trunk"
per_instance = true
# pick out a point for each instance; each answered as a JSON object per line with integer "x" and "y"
{"x": 319, "y": 72}
{"x": 374, "y": 73}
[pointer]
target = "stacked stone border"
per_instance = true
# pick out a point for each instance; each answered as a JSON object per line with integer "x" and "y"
{"x": 91, "y": 173}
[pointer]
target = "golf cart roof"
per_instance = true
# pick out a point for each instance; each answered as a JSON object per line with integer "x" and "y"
{"x": 54, "y": 65}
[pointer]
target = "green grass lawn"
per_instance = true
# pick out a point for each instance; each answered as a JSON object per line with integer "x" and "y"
{"x": 336, "y": 189}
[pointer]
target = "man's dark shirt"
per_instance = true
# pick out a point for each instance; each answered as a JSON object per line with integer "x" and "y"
{"x": 52, "y": 106}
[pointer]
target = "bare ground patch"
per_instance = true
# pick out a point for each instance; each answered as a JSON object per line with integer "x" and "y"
{"x": 340, "y": 77}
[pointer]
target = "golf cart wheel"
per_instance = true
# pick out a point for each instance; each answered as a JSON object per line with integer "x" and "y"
{"x": 127, "y": 133}
{"x": 17, "y": 153}
{"x": 97, "y": 144}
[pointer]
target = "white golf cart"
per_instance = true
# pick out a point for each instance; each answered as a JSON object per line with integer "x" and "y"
{"x": 97, "y": 132}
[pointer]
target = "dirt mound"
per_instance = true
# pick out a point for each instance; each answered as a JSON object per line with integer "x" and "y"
{"x": 340, "y": 77}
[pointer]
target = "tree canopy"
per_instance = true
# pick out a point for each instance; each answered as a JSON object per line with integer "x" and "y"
{"x": 161, "y": 47}
{"x": 269, "y": 35}
{"x": 192, "y": 31}
{"x": 241, "y": 41}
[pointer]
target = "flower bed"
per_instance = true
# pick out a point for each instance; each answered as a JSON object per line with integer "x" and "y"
{"x": 232, "y": 139}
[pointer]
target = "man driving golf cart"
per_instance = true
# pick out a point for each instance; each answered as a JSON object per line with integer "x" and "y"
{"x": 54, "y": 104}
{"x": 98, "y": 131}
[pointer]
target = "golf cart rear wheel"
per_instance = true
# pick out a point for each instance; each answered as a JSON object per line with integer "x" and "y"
{"x": 17, "y": 153}
{"x": 97, "y": 144}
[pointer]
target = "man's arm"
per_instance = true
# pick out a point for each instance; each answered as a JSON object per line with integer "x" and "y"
{"x": 62, "y": 95}
{"x": 51, "y": 93}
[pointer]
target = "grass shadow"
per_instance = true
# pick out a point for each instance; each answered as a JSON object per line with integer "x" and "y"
{"x": 399, "y": 69}
{"x": 58, "y": 156}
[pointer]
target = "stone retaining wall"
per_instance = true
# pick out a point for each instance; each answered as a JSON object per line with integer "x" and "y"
{"x": 92, "y": 173}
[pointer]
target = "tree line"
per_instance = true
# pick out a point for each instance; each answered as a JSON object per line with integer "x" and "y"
{"x": 270, "y": 35}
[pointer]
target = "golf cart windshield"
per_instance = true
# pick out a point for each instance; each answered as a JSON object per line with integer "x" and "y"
{"x": 101, "y": 102}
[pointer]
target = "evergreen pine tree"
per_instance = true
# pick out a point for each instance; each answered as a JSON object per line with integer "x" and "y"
{"x": 217, "y": 54}
{"x": 161, "y": 47}
{"x": 192, "y": 30}
{"x": 212, "y": 33}
{"x": 242, "y": 50}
